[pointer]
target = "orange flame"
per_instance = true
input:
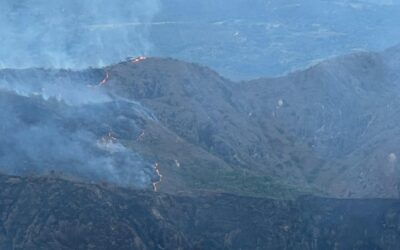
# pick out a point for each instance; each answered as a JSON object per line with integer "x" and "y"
{"x": 139, "y": 59}
{"x": 105, "y": 80}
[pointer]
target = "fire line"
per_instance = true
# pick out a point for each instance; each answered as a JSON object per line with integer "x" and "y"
{"x": 157, "y": 170}
{"x": 139, "y": 59}
{"x": 105, "y": 80}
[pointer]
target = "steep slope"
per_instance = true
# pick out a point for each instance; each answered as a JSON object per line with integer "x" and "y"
{"x": 145, "y": 120}
{"x": 174, "y": 126}
{"x": 50, "y": 213}
{"x": 199, "y": 106}
{"x": 346, "y": 110}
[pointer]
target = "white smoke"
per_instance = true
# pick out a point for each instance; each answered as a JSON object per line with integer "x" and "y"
{"x": 42, "y": 33}
{"x": 59, "y": 121}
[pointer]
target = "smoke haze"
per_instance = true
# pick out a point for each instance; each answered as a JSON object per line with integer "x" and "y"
{"x": 60, "y": 121}
{"x": 72, "y": 34}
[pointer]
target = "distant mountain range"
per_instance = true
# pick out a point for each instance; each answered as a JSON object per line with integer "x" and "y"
{"x": 271, "y": 37}
{"x": 242, "y": 41}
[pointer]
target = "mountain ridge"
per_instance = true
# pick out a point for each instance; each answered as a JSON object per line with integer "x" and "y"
{"x": 262, "y": 137}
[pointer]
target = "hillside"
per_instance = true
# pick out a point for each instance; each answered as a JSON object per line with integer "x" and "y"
{"x": 346, "y": 109}
{"x": 50, "y": 213}
{"x": 172, "y": 126}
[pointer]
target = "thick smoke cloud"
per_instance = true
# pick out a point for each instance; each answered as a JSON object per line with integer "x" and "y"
{"x": 63, "y": 86}
{"x": 56, "y": 121}
{"x": 73, "y": 33}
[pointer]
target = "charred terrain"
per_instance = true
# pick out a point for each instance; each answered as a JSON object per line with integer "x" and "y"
{"x": 188, "y": 159}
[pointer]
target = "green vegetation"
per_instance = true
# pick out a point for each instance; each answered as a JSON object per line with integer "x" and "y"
{"x": 243, "y": 182}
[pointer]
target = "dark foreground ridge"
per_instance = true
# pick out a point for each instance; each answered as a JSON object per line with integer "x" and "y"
{"x": 51, "y": 213}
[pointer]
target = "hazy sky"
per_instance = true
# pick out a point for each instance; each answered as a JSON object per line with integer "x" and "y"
{"x": 62, "y": 33}
{"x": 238, "y": 39}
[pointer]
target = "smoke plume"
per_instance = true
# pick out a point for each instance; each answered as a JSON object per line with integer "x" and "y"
{"x": 59, "y": 121}
{"x": 73, "y": 33}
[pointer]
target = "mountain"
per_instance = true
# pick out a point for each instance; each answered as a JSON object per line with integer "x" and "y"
{"x": 124, "y": 123}
{"x": 346, "y": 110}
{"x": 199, "y": 108}
{"x": 155, "y": 153}
{"x": 172, "y": 126}
{"x": 50, "y": 213}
